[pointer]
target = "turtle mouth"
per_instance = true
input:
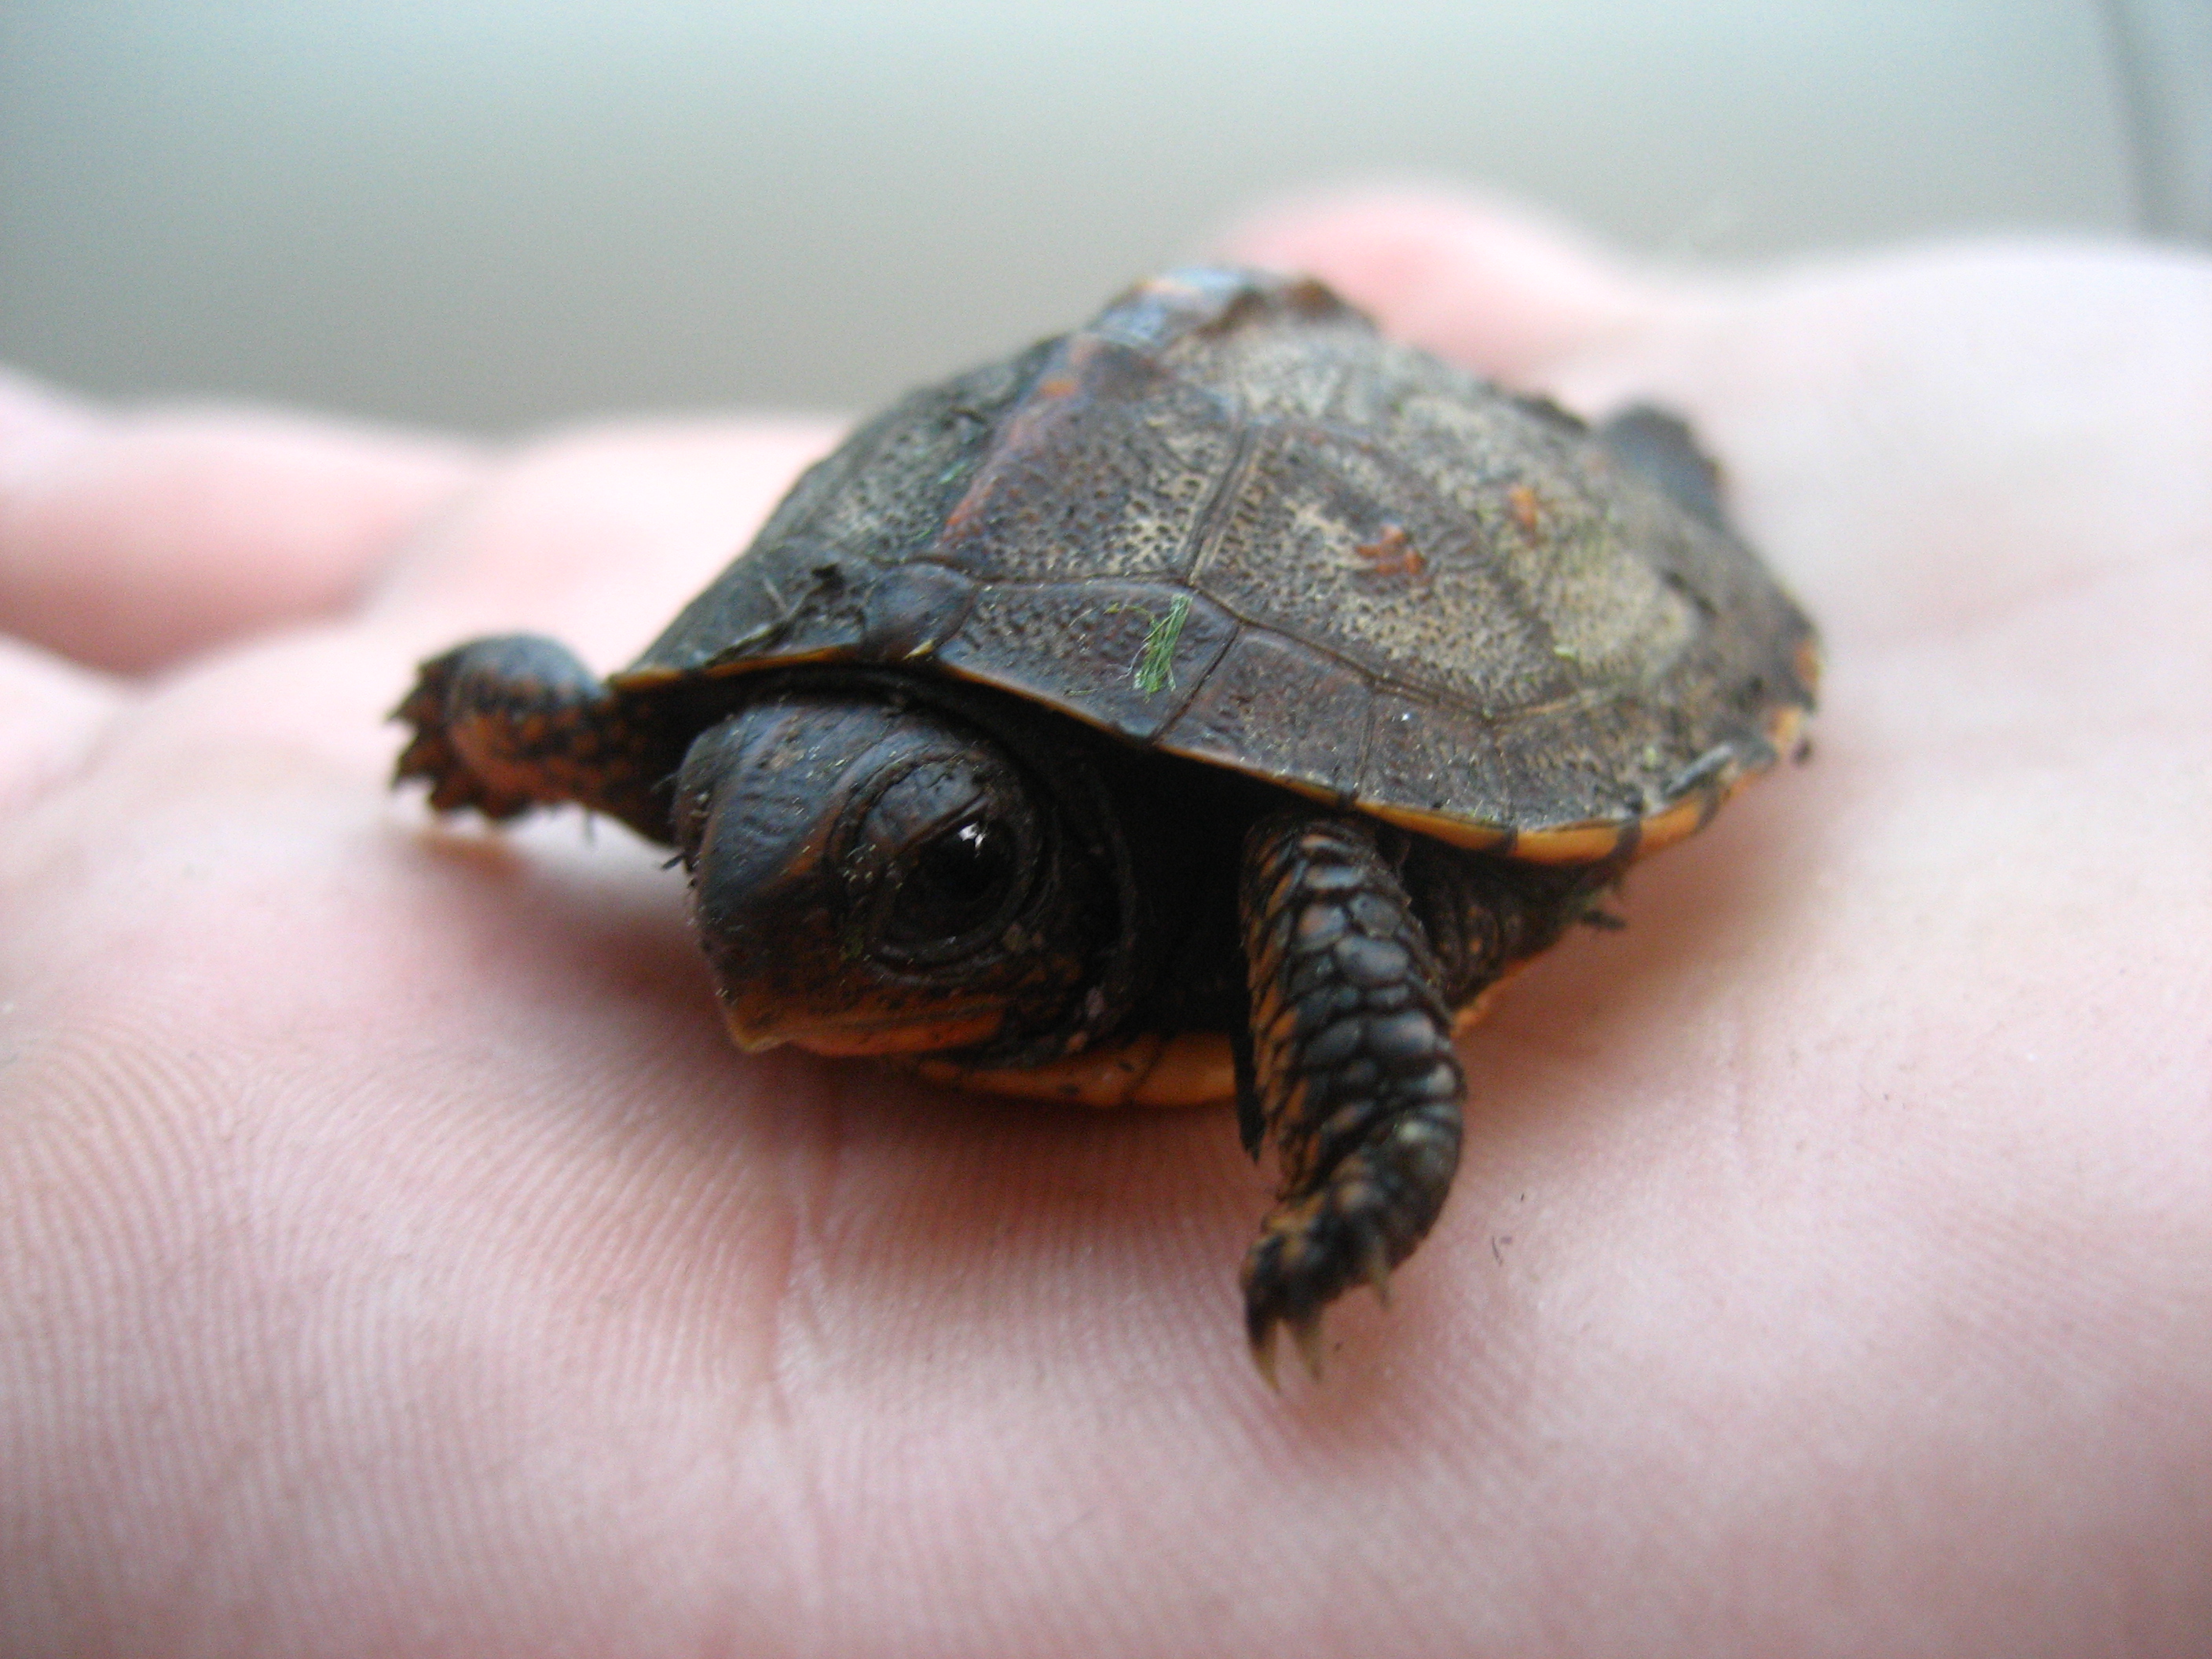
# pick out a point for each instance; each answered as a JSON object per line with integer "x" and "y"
{"x": 863, "y": 1033}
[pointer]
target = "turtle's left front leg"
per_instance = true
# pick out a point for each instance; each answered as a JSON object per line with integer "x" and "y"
{"x": 510, "y": 723}
{"x": 1353, "y": 1071}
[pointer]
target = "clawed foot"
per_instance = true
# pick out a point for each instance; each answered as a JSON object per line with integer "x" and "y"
{"x": 1353, "y": 1075}
{"x": 1365, "y": 1218}
{"x": 504, "y": 725}
{"x": 432, "y": 755}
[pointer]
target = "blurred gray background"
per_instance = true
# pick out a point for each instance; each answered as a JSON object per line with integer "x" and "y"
{"x": 493, "y": 213}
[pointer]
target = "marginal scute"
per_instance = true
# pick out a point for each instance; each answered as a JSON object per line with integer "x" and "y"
{"x": 1235, "y": 714}
{"x": 1120, "y": 652}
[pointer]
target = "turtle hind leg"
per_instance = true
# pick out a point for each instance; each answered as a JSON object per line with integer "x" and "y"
{"x": 507, "y": 724}
{"x": 1354, "y": 1073}
{"x": 1659, "y": 444}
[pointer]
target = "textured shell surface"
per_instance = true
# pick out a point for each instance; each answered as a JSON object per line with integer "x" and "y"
{"x": 1228, "y": 519}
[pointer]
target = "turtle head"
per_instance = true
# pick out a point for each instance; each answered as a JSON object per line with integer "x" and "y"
{"x": 872, "y": 875}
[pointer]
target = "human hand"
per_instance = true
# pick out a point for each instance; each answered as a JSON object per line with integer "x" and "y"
{"x": 394, "y": 1256}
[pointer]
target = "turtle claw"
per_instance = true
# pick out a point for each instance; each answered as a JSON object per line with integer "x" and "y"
{"x": 1263, "y": 1356}
{"x": 1305, "y": 1336}
{"x": 1374, "y": 1267}
{"x": 1308, "y": 1254}
{"x": 1300, "y": 1263}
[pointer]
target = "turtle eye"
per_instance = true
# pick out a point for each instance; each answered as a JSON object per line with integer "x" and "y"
{"x": 954, "y": 883}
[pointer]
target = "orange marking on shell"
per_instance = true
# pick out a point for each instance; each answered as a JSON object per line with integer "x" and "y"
{"x": 1684, "y": 818}
{"x": 862, "y": 1035}
{"x": 1477, "y": 837}
{"x": 1190, "y": 1068}
{"x": 1521, "y": 501}
{"x": 1570, "y": 843}
{"x": 1026, "y": 431}
{"x": 1393, "y": 554}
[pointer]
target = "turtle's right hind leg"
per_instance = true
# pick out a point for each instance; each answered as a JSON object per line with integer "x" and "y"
{"x": 506, "y": 724}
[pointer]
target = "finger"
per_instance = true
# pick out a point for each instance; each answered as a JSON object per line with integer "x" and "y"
{"x": 1493, "y": 284}
{"x": 131, "y": 540}
{"x": 596, "y": 537}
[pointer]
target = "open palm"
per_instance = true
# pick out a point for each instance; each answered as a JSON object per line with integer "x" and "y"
{"x": 394, "y": 1257}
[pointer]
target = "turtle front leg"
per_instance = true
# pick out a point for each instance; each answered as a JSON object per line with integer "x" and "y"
{"x": 503, "y": 724}
{"x": 1356, "y": 1083}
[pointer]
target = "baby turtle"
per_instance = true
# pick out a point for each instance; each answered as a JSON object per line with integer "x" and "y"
{"x": 1215, "y": 701}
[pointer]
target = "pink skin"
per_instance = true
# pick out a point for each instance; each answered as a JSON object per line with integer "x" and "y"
{"x": 394, "y": 1257}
